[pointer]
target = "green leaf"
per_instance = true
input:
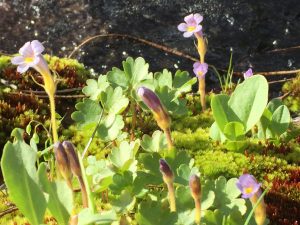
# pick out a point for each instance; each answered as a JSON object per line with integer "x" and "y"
{"x": 20, "y": 176}
{"x": 234, "y": 131}
{"x": 124, "y": 157}
{"x": 155, "y": 143}
{"x": 152, "y": 213}
{"x": 110, "y": 127}
{"x": 113, "y": 100}
{"x": 121, "y": 181}
{"x": 183, "y": 82}
{"x": 87, "y": 217}
{"x": 222, "y": 113}
{"x": 264, "y": 123}
{"x": 94, "y": 88}
{"x": 164, "y": 78}
{"x": 274, "y": 104}
{"x": 249, "y": 100}
{"x": 184, "y": 173}
{"x": 117, "y": 78}
{"x": 236, "y": 145}
{"x": 124, "y": 202}
{"x": 280, "y": 121}
{"x": 87, "y": 114}
{"x": 60, "y": 200}
{"x": 136, "y": 71}
{"x": 216, "y": 134}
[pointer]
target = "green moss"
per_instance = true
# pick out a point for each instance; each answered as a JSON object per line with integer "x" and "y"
{"x": 293, "y": 99}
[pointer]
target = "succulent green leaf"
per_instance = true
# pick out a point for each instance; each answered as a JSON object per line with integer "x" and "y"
{"x": 152, "y": 213}
{"x": 249, "y": 100}
{"x": 87, "y": 114}
{"x": 60, "y": 196}
{"x": 234, "y": 131}
{"x": 280, "y": 121}
{"x": 155, "y": 143}
{"x": 222, "y": 113}
{"x": 94, "y": 88}
{"x": 87, "y": 217}
{"x": 20, "y": 176}
{"x": 113, "y": 100}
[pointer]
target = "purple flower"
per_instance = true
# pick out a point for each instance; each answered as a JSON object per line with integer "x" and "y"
{"x": 248, "y": 185}
{"x": 200, "y": 69}
{"x": 248, "y": 73}
{"x": 30, "y": 56}
{"x": 195, "y": 186}
{"x": 150, "y": 99}
{"x": 191, "y": 25}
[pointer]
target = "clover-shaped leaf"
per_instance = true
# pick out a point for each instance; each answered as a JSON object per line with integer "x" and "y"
{"x": 174, "y": 105}
{"x": 155, "y": 143}
{"x": 123, "y": 202}
{"x": 123, "y": 157}
{"x": 113, "y": 100}
{"x": 153, "y": 213}
{"x": 95, "y": 88}
{"x": 110, "y": 127}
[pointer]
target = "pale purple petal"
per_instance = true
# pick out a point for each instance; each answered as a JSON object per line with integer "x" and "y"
{"x": 17, "y": 60}
{"x": 35, "y": 61}
{"x": 248, "y": 73}
{"x": 182, "y": 27}
{"x": 26, "y": 50}
{"x": 189, "y": 19}
{"x": 247, "y": 181}
{"x": 22, "y": 68}
{"x": 37, "y": 47}
{"x": 188, "y": 34}
{"x": 197, "y": 29}
{"x": 200, "y": 69}
{"x": 198, "y": 18}
{"x": 196, "y": 64}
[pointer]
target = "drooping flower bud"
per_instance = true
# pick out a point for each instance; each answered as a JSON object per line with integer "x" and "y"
{"x": 250, "y": 188}
{"x": 168, "y": 178}
{"x": 166, "y": 170}
{"x": 73, "y": 158}
{"x": 195, "y": 187}
{"x": 63, "y": 162}
{"x": 154, "y": 104}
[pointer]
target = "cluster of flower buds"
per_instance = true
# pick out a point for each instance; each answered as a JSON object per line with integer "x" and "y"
{"x": 160, "y": 113}
{"x": 250, "y": 188}
{"x": 68, "y": 164}
{"x": 192, "y": 27}
{"x": 168, "y": 178}
{"x": 195, "y": 187}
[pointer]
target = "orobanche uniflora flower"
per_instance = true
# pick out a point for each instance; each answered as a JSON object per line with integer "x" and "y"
{"x": 195, "y": 187}
{"x": 200, "y": 69}
{"x": 250, "y": 188}
{"x": 248, "y": 73}
{"x": 191, "y": 25}
{"x": 31, "y": 57}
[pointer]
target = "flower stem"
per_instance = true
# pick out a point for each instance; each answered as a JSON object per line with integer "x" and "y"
{"x": 53, "y": 119}
{"x": 83, "y": 193}
{"x": 202, "y": 93}
{"x": 171, "y": 194}
{"x": 133, "y": 122}
{"x": 197, "y": 211}
{"x": 169, "y": 138}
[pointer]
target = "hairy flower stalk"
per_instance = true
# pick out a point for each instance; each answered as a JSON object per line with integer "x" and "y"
{"x": 63, "y": 163}
{"x": 159, "y": 112}
{"x": 75, "y": 167}
{"x": 195, "y": 187}
{"x": 31, "y": 56}
{"x": 168, "y": 178}
{"x": 251, "y": 189}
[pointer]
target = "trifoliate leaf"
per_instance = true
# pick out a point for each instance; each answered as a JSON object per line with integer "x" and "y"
{"x": 155, "y": 143}
{"x": 94, "y": 88}
{"x": 113, "y": 100}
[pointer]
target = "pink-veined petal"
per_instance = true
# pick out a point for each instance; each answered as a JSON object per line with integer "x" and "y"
{"x": 182, "y": 27}
{"x": 17, "y": 60}
{"x": 37, "y": 47}
{"x": 189, "y": 19}
{"x": 22, "y": 68}
{"x": 198, "y": 18}
{"x": 26, "y": 50}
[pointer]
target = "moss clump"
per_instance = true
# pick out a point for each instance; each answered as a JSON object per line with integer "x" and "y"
{"x": 293, "y": 99}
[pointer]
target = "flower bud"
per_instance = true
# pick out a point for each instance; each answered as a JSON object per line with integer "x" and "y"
{"x": 195, "y": 186}
{"x": 63, "y": 162}
{"x": 73, "y": 158}
{"x": 154, "y": 104}
{"x": 166, "y": 171}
